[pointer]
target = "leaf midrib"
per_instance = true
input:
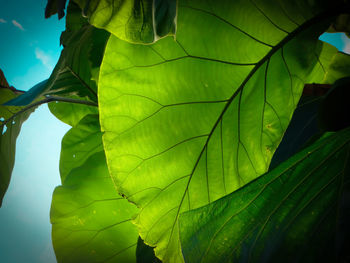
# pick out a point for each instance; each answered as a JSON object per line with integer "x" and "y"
{"x": 290, "y": 36}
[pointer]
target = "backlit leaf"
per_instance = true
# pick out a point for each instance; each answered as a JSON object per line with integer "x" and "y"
{"x": 189, "y": 120}
{"x": 293, "y": 213}
{"x": 90, "y": 221}
{"x": 79, "y": 143}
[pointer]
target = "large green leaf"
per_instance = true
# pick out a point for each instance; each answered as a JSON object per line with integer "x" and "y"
{"x": 190, "y": 120}
{"x": 292, "y": 213}
{"x": 90, "y": 221}
{"x": 11, "y": 120}
{"x": 140, "y": 21}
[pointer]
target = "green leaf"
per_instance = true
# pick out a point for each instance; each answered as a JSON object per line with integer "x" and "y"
{"x": 90, "y": 221}
{"x": 79, "y": 143}
{"x": 339, "y": 67}
{"x": 29, "y": 96}
{"x": 11, "y": 120}
{"x": 141, "y": 21}
{"x": 71, "y": 113}
{"x": 190, "y": 120}
{"x": 76, "y": 72}
{"x": 275, "y": 216}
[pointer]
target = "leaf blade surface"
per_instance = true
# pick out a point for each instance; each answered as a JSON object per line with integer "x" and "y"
{"x": 188, "y": 121}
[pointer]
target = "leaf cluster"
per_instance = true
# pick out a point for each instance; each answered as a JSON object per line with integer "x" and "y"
{"x": 202, "y": 131}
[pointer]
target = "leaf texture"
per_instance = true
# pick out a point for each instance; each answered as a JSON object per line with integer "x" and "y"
{"x": 275, "y": 216}
{"x": 77, "y": 69}
{"x": 190, "y": 120}
{"x": 79, "y": 143}
{"x": 91, "y": 222}
{"x": 141, "y": 21}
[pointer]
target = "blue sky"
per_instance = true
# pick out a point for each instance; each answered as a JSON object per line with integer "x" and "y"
{"x": 29, "y": 49}
{"x": 28, "y": 53}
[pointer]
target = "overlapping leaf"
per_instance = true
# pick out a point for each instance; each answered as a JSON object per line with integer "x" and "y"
{"x": 11, "y": 120}
{"x": 77, "y": 69}
{"x": 90, "y": 221}
{"x": 141, "y": 21}
{"x": 79, "y": 143}
{"x": 291, "y": 213}
{"x": 190, "y": 120}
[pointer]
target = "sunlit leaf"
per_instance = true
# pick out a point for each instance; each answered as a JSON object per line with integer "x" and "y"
{"x": 11, "y": 120}
{"x": 141, "y": 21}
{"x": 293, "y": 213}
{"x": 79, "y": 143}
{"x": 189, "y": 120}
{"x": 90, "y": 221}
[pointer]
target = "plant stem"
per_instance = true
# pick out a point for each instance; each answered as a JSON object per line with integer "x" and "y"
{"x": 47, "y": 100}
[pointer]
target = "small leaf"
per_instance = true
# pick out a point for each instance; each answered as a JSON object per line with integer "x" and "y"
{"x": 292, "y": 213}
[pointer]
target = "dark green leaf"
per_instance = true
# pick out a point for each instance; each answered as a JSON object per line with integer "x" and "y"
{"x": 11, "y": 120}
{"x": 189, "y": 120}
{"x": 139, "y": 21}
{"x": 291, "y": 213}
{"x": 303, "y": 126}
{"x": 145, "y": 254}
{"x": 338, "y": 68}
{"x": 335, "y": 108}
{"x": 341, "y": 24}
{"x": 55, "y": 7}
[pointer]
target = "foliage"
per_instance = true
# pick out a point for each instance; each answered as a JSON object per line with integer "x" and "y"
{"x": 183, "y": 136}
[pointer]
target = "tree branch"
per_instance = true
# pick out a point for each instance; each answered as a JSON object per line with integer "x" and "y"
{"x": 47, "y": 100}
